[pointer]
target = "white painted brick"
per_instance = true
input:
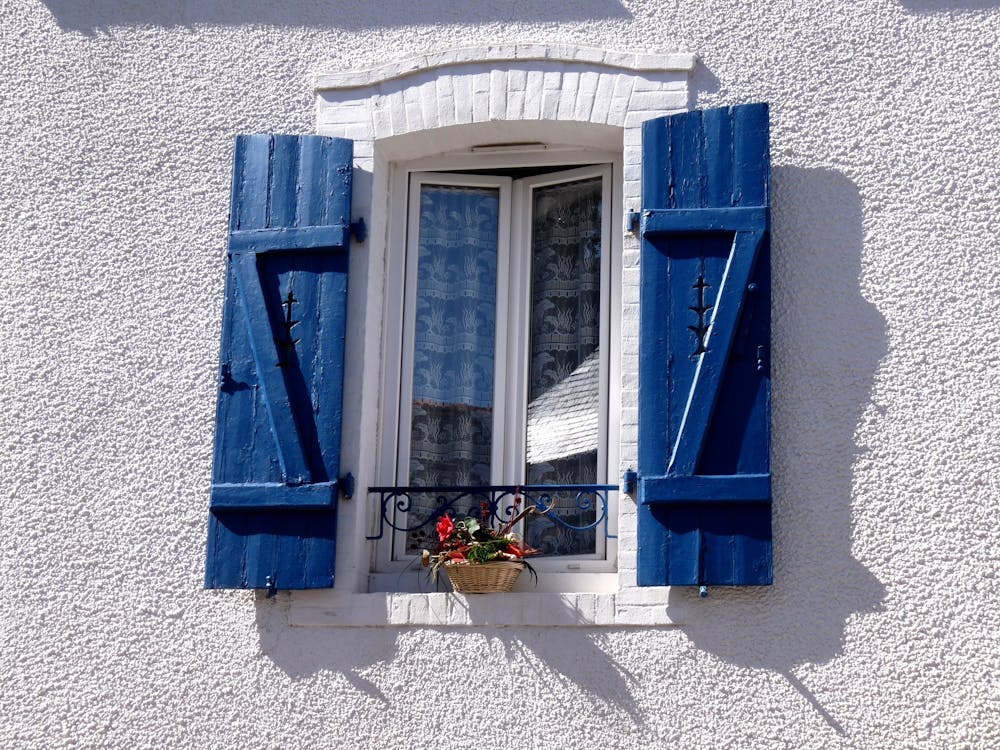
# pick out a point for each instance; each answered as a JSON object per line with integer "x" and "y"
{"x": 463, "y": 98}
{"x": 414, "y": 115}
{"x": 552, "y": 80}
{"x": 437, "y": 609}
{"x": 419, "y": 607}
{"x": 446, "y": 101}
{"x": 344, "y": 113}
{"x": 515, "y": 105}
{"x": 399, "y": 609}
{"x": 635, "y": 118}
{"x": 661, "y": 82}
{"x": 582, "y": 607}
{"x": 604, "y": 609}
{"x": 586, "y": 89}
{"x": 429, "y": 104}
{"x": 638, "y": 615}
{"x": 498, "y": 95}
{"x": 533, "y": 95}
{"x": 517, "y": 80}
{"x": 550, "y": 104}
{"x": 567, "y": 98}
{"x": 602, "y": 97}
{"x": 381, "y": 117}
{"x": 647, "y": 596}
{"x": 481, "y": 97}
{"x": 658, "y": 101}
{"x": 623, "y": 87}
{"x": 364, "y": 149}
{"x": 458, "y": 611}
{"x": 397, "y": 112}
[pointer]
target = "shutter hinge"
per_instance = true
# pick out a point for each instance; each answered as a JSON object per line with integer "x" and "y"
{"x": 632, "y": 222}
{"x": 629, "y": 480}
{"x": 359, "y": 230}
{"x": 272, "y": 589}
{"x": 346, "y": 485}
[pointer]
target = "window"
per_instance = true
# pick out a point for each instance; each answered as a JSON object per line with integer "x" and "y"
{"x": 287, "y": 380}
{"x": 505, "y": 354}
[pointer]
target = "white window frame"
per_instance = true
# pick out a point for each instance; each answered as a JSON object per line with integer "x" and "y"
{"x": 591, "y": 573}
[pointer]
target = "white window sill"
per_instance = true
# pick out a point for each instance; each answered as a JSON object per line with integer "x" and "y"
{"x": 629, "y": 607}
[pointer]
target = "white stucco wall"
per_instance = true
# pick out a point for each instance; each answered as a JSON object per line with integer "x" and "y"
{"x": 881, "y": 628}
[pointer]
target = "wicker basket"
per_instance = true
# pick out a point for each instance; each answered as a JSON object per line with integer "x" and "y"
{"x": 484, "y": 578}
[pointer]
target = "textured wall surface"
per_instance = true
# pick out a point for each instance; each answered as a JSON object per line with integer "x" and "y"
{"x": 881, "y": 629}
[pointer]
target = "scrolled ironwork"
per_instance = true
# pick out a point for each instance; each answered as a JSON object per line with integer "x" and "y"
{"x": 493, "y": 504}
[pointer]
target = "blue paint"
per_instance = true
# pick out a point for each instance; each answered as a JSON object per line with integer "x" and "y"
{"x": 288, "y": 239}
{"x": 272, "y": 522}
{"x": 274, "y": 495}
{"x": 703, "y": 220}
{"x": 704, "y": 394}
{"x": 740, "y": 488}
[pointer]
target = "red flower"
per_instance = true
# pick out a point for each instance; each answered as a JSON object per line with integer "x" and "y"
{"x": 444, "y": 527}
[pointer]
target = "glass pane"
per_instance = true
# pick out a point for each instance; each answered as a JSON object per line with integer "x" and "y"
{"x": 564, "y": 367}
{"x": 451, "y": 432}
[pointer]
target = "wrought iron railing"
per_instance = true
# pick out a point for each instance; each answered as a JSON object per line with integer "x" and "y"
{"x": 494, "y": 504}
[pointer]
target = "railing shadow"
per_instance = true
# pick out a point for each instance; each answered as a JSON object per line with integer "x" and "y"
{"x": 828, "y": 342}
{"x": 100, "y": 15}
{"x": 507, "y": 672}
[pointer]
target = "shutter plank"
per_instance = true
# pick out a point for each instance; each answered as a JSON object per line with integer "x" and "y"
{"x": 718, "y": 158}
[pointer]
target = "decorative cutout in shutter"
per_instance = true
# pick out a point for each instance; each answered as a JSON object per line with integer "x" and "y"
{"x": 704, "y": 379}
{"x": 272, "y": 522}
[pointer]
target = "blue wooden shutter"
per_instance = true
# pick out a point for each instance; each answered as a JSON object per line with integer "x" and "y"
{"x": 272, "y": 521}
{"x": 704, "y": 378}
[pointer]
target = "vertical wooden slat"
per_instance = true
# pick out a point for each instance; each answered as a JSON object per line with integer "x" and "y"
{"x": 717, "y": 157}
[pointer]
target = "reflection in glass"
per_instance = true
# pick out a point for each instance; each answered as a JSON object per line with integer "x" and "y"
{"x": 564, "y": 368}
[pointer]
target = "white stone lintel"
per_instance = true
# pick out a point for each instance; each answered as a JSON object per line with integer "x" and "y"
{"x": 677, "y": 62}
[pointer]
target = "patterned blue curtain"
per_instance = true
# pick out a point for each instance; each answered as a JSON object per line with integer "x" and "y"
{"x": 451, "y": 434}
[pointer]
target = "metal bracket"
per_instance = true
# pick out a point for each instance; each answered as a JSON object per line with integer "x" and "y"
{"x": 359, "y": 230}
{"x": 629, "y": 481}
{"x": 346, "y": 485}
{"x": 632, "y": 222}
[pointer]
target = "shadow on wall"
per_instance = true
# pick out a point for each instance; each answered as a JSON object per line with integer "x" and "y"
{"x": 828, "y": 342}
{"x": 488, "y": 666}
{"x": 935, "y": 6}
{"x": 100, "y": 15}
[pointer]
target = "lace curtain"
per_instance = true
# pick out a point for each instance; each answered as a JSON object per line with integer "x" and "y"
{"x": 453, "y": 370}
{"x": 564, "y": 389}
{"x": 452, "y": 420}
